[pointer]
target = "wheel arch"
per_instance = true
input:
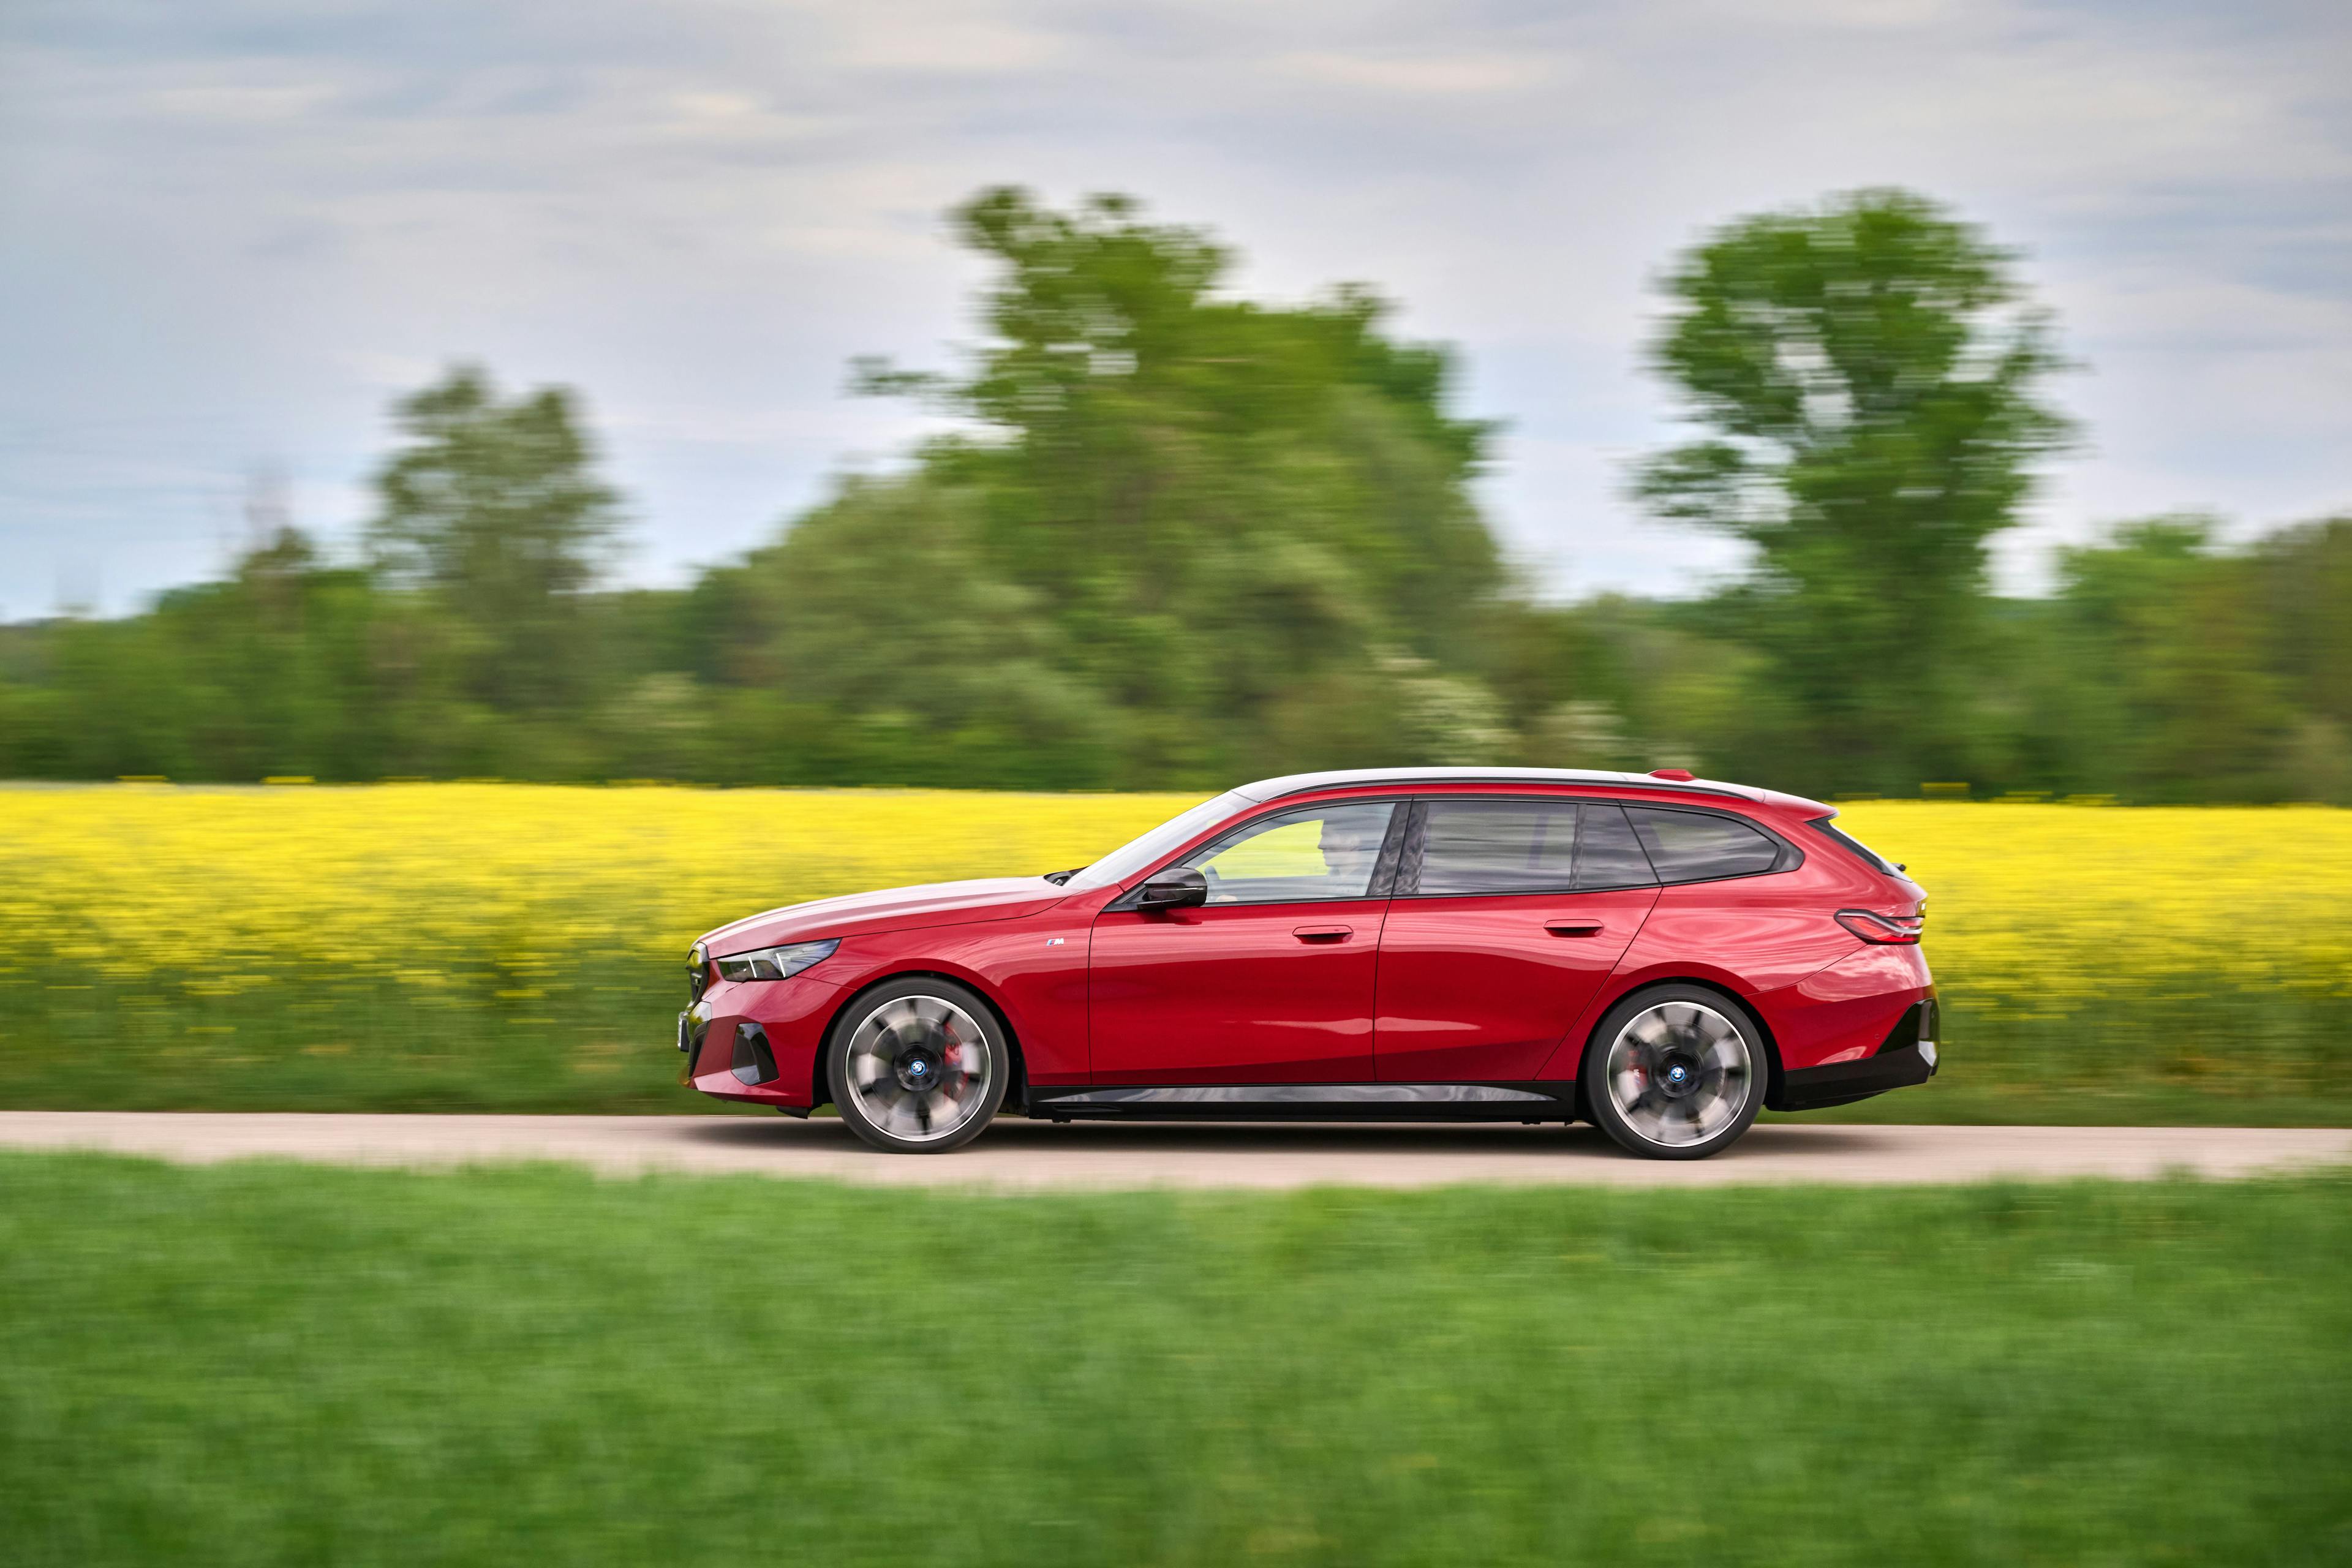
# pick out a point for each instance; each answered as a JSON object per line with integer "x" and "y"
{"x": 1016, "y": 1091}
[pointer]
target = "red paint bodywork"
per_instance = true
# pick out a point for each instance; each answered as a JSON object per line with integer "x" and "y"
{"x": 1418, "y": 990}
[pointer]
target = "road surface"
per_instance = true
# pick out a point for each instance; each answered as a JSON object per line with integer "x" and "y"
{"x": 1017, "y": 1154}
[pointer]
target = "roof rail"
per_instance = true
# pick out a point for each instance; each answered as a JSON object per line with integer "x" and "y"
{"x": 1344, "y": 778}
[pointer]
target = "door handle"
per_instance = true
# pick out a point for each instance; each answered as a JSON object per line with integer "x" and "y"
{"x": 1322, "y": 933}
{"x": 1566, "y": 926}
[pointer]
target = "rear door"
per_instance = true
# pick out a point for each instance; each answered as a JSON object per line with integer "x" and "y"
{"x": 1509, "y": 913}
{"x": 1271, "y": 980}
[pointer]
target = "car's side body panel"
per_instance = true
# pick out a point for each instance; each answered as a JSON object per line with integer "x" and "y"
{"x": 1235, "y": 994}
{"x": 1484, "y": 986}
{"x": 1763, "y": 930}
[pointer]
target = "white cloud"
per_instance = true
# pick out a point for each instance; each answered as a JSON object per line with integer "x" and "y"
{"x": 236, "y": 229}
{"x": 1419, "y": 75}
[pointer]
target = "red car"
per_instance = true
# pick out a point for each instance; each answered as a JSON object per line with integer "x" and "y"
{"x": 1663, "y": 956}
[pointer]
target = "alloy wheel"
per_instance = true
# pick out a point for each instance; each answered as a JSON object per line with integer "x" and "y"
{"x": 1679, "y": 1073}
{"x": 921, "y": 1068}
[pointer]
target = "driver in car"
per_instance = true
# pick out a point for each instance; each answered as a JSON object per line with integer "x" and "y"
{"x": 1352, "y": 848}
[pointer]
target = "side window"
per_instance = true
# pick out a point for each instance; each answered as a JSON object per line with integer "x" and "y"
{"x": 1298, "y": 857}
{"x": 1694, "y": 847}
{"x": 1497, "y": 845}
{"x": 1607, "y": 852}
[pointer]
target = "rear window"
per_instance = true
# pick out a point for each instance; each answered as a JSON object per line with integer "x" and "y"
{"x": 1870, "y": 857}
{"x": 1697, "y": 847}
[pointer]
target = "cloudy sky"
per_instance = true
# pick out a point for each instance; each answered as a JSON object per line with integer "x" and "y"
{"x": 231, "y": 232}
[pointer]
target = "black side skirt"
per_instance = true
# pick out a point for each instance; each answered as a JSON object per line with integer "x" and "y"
{"x": 1547, "y": 1101}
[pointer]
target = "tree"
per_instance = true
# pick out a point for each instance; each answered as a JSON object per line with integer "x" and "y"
{"x": 934, "y": 669}
{"x": 493, "y": 505}
{"x": 1217, "y": 502}
{"x": 1872, "y": 377}
{"x": 2304, "y": 577}
{"x": 2164, "y": 654}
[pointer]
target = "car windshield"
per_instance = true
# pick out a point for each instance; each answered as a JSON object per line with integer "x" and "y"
{"x": 1128, "y": 858}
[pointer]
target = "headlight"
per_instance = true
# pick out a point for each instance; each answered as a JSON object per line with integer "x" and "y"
{"x": 774, "y": 963}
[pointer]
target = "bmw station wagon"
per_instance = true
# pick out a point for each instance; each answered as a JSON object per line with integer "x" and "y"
{"x": 1659, "y": 955}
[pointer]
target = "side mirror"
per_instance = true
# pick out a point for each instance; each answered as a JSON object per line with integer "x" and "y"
{"x": 1177, "y": 888}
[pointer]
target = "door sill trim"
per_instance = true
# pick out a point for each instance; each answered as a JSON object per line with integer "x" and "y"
{"x": 1545, "y": 1101}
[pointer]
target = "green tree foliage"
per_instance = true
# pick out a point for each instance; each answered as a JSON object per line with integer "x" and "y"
{"x": 2166, "y": 692}
{"x": 1872, "y": 380}
{"x": 493, "y": 506}
{"x": 1202, "y": 508}
{"x": 2303, "y": 593}
{"x": 914, "y": 654}
{"x": 1183, "y": 539}
{"x": 289, "y": 666}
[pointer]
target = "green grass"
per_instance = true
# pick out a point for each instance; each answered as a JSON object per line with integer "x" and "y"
{"x": 595, "y": 1040}
{"x": 267, "y": 1363}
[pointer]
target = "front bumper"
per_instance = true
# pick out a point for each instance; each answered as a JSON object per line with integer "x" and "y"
{"x": 1906, "y": 1057}
{"x": 757, "y": 1040}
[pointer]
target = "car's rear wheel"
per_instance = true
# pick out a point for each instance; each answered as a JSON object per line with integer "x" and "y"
{"x": 1675, "y": 1072}
{"x": 918, "y": 1066}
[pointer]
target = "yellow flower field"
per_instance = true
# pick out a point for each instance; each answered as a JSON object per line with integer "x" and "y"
{"x": 397, "y": 879}
{"x": 495, "y": 946}
{"x": 2067, "y": 902}
{"x": 214, "y": 884}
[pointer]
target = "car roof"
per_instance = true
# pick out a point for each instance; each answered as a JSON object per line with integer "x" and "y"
{"x": 1346, "y": 778}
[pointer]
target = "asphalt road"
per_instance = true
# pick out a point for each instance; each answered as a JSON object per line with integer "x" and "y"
{"x": 1017, "y": 1154}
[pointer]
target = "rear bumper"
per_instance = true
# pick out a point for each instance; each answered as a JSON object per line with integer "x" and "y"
{"x": 1906, "y": 1057}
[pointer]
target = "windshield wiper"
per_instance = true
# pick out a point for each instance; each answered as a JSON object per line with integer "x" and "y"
{"x": 1058, "y": 877}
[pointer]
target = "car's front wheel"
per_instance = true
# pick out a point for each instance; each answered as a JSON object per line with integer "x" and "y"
{"x": 1675, "y": 1072}
{"x": 918, "y": 1066}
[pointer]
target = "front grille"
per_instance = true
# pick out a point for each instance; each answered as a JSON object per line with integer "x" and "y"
{"x": 691, "y": 1027}
{"x": 698, "y": 972}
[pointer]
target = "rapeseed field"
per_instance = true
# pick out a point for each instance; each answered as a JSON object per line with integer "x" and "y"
{"x": 515, "y": 946}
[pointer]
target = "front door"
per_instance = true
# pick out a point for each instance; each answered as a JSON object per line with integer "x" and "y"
{"x": 1271, "y": 980}
{"x": 1509, "y": 915}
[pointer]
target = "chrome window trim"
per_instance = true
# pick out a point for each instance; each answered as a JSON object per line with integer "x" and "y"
{"x": 1788, "y": 849}
{"x": 1785, "y": 863}
{"x": 1564, "y": 788}
{"x": 1383, "y": 874}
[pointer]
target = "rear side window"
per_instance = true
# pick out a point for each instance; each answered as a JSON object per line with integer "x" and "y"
{"x": 1697, "y": 847}
{"x": 1607, "y": 852}
{"x": 1499, "y": 847}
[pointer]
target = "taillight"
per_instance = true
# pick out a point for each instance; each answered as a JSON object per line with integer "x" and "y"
{"x": 1871, "y": 926}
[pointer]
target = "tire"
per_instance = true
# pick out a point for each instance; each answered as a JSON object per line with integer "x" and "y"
{"x": 1700, "y": 1039}
{"x": 918, "y": 1066}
